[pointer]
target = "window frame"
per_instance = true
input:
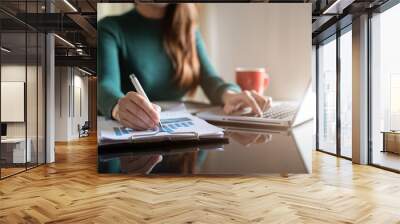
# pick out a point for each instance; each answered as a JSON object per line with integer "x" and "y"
{"x": 334, "y": 37}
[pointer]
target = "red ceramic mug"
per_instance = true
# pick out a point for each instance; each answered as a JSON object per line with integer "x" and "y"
{"x": 252, "y": 79}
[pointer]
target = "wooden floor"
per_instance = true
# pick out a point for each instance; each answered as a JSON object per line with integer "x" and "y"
{"x": 71, "y": 191}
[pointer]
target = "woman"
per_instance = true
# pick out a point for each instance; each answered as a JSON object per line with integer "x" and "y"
{"x": 161, "y": 45}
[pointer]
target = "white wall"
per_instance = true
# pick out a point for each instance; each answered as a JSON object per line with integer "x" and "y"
{"x": 34, "y": 126}
{"x": 276, "y": 36}
{"x": 71, "y": 93}
{"x": 17, "y": 73}
{"x": 81, "y": 102}
{"x": 110, "y": 9}
{"x": 14, "y": 73}
{"x": 62, "y": 81}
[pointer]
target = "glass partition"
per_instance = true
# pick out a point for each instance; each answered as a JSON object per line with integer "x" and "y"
{"x": 14, "y": 145}
{"x": 22, "y": 88}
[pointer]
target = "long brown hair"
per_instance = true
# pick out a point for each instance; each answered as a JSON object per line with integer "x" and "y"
{"x": 180, "y": 43}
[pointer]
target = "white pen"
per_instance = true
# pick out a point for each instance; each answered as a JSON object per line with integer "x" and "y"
{"x": 140, "y": 90}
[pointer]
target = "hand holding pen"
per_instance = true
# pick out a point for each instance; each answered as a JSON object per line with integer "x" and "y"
{"x": 134, "y": 110}
{"x": 140, "y": 90}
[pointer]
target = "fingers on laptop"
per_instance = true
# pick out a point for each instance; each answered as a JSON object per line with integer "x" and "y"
{"x": 251, "y": 101}
{"x": 263, "y": 102}
{"x": 231, "y": 107}
{"x": 248, "y": 99}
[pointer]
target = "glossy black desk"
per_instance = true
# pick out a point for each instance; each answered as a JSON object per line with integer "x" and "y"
{"x": 249, "y": 152}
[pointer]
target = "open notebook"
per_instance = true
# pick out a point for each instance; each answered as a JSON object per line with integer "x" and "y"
{"x": 177, "y": 125}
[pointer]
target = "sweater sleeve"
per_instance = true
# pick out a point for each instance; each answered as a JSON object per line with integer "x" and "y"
{"x": 109, "y": 77}
{"x": 213, "y": 86}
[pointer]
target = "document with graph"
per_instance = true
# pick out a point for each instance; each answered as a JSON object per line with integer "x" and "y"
{"x": 176, "y": 125}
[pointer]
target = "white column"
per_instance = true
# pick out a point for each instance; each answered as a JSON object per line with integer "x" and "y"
{"x": 50, "y": 92}
{"x": 50, "y": 100}
{"x": 360, "y": 90}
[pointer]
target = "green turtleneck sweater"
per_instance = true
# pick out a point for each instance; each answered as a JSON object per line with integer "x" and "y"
{"x": 131, "y": 43}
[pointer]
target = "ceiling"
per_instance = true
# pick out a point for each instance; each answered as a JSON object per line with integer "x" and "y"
{"x": 19, "y": 54}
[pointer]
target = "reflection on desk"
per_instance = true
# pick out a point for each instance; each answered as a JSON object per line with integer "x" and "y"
{"x": 249, "y": 151}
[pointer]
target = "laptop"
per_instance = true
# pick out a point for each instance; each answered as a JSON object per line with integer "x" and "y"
{"x": 281, "y": 114}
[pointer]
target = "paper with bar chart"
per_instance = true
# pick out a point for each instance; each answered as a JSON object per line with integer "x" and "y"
{"x": 173, "y": 124}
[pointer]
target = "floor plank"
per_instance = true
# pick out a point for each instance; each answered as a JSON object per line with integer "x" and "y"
{"x": 71, "y": 191}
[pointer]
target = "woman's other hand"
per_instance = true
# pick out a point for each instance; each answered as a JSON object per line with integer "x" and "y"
{"x": 237, "y": 101}
{"x": 134, "y": 111}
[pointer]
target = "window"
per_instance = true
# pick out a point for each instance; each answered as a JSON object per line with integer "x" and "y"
{"x": 385, "y": 87}
{"x": 346, "y": 93}
{"x": 327, "y": 96}
{"x": 335, "y": 74}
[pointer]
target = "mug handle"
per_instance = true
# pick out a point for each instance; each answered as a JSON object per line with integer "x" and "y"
{"x": 266, "y": 81}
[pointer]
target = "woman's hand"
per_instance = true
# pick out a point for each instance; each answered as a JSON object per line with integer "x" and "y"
{"x": 134, "y": 111}
{"x": 237, "y": 101}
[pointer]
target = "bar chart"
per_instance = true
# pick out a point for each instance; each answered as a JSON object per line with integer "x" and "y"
{"x": 170, "y": 125}
{"x": 174, "y": 124}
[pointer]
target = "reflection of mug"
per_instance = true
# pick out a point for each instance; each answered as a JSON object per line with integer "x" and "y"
{"x": 252, "y": 79}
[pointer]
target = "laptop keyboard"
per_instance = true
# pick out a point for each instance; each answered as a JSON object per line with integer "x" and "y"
{"x": 281, "y": 111}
